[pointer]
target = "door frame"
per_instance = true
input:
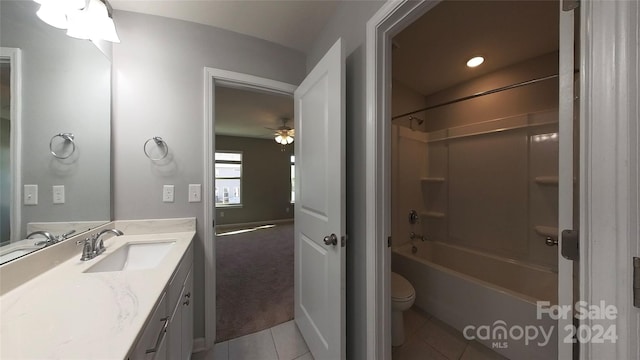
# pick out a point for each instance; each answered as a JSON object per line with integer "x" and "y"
{"x": 218, "y": 77}
{"x": 608, "y": 189}
{"x": 15, "y": 153}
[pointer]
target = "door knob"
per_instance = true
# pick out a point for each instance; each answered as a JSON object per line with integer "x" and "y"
{"x": 551, "y": 241}
{"x": 331, "y": 240}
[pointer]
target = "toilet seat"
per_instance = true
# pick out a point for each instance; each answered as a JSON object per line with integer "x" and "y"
{"x": 401, "y": 288}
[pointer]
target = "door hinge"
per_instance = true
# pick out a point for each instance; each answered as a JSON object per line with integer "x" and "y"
{"x": 343, "y": 240}
{"x": 388, "y": 241}
{"x": 570, "y": 244}
{"x": 568, "y": 5}
{"x": 636, "y": 282}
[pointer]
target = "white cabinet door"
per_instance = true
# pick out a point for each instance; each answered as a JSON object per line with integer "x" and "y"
{"x": 174, "y": 335}
{"x": 152, "y": 344}
{"x": 320, "y": 207}
{"x": 186, "y": 306}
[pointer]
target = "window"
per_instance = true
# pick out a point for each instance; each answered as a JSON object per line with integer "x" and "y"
{"x": 293, "y": 179}
{"x": 228, "y": 178}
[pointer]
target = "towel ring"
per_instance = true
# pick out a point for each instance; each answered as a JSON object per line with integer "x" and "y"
{"x": 159, "y": 142}
{"x": 67, "y": 137}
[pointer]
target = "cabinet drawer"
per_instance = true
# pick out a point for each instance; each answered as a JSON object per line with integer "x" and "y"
{"x": 151, "y": 341}
{"x": 175, "y": 285}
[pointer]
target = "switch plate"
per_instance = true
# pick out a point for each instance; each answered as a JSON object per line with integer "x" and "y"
{"x": 167, "y": 193}
{"x": 31, "y": 194}
{"x": 195, "y": 191}
{"x": 58, "y": 194}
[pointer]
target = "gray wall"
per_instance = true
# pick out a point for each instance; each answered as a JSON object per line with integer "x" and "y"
{"x": 266, "y": 181}
{"x": 349, "y": 23}
{"x": 65, "y": 88}
{"x": 158, "y": 91}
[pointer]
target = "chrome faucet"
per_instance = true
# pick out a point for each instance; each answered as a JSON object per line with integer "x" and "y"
{"x": 413, "y": 236}
{"x": 94, "y": 246}
{"x": 50, "y": 238}
{"x": 65, "y": 236}
{"x": 98, "y": 243}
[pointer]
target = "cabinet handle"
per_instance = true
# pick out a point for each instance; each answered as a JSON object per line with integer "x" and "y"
{"x": 160, "y": 336}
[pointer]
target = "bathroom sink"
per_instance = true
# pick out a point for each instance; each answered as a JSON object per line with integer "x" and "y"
{"x": 17, "y": 249}
{"x": 133, "y": 256}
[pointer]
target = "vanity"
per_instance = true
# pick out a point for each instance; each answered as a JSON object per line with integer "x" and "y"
{"x": 134, "y": 301}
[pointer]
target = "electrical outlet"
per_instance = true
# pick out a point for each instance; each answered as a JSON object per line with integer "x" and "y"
{"x": 31, "y": 194}
{"x": 58, "y": 194}
{"x": 167, "y": 193}
{"x": 195, "y": 191}
{"x": 221, "y": 213}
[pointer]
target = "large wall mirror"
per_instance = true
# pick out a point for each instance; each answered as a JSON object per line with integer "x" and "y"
{"x": 54, "y": 133}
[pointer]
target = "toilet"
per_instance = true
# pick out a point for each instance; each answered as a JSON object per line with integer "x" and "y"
{"x": 402, "y": 297}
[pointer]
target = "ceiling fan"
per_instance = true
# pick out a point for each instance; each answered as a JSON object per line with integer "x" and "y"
{"x": 284, "y": 134}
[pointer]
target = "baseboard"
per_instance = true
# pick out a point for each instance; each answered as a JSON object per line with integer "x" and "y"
{"x": 255, "y": 223}
{"x": 199, "y": 345}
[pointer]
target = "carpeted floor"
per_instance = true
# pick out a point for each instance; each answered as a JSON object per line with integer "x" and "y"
{"x": 254, "y": 280}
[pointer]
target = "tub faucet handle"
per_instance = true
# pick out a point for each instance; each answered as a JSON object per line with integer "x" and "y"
{"x": 414, "y": 236}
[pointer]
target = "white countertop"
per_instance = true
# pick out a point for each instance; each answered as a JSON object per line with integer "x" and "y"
{"x": 65, "y": 313}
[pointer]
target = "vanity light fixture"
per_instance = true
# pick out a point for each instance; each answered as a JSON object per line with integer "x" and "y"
{"x": 83, "y": 19}
{"x": 475, "y": 61}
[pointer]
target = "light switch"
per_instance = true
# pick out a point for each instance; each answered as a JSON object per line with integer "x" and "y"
{"x": 58, "y": 194}
{"x": 167, "y": 193}
{"x": 31, "y": 194}
{"x": 195, "y": 191}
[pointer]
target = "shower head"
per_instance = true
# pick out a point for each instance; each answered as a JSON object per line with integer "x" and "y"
{"x": 419, "y": 121}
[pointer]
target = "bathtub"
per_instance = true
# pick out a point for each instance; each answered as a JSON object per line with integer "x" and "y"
{"x": 477, "y": 292}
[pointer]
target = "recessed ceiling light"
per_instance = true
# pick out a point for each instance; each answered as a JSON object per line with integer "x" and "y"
{"x": 473, "y": 62}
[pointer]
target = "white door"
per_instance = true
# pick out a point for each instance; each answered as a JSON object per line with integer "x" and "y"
{"x": 566, "y": 173}
{"x": 320, "y": 207}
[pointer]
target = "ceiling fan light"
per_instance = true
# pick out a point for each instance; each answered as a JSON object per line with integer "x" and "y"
{"x": 278, "y": 138}
{"x": 289, "y": 139}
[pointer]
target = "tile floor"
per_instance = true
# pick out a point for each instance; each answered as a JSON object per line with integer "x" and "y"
{"x": 427, "y": 338}
{"x": 281, "y": 342}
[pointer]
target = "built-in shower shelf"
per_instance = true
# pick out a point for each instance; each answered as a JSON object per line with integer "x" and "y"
{"x": 547, "y": 231}
{"x": 434, "y": 214}
{"x": 433, "y": 179}
{"x": 546, "y": 180}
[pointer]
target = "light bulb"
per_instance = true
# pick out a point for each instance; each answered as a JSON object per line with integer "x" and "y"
{"x": 52, "y": 15}
{"x": 476, "y": 61}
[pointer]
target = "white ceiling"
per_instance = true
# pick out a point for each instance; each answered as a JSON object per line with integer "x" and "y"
{"x": 430, "y": 56}
{"x": 433, "y": 51}
{"x": 248, "y": 113}
{"x": 292, "y": 23}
